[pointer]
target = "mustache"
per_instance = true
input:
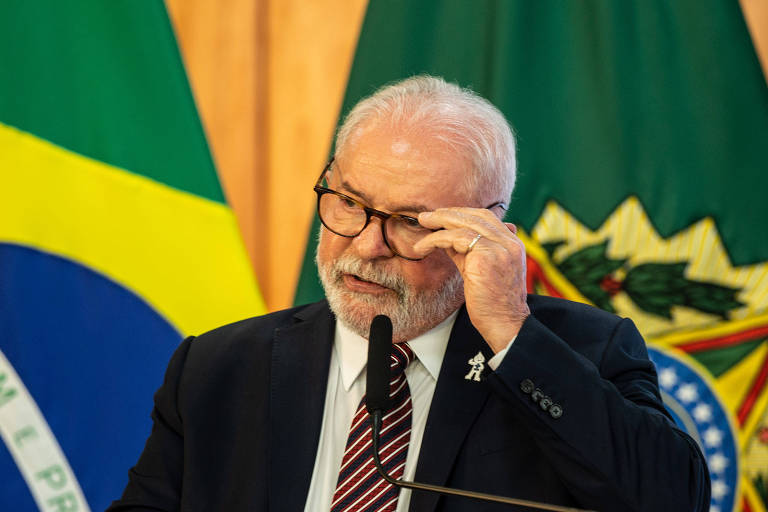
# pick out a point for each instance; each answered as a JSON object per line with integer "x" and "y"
{"x": 368, "y": 271}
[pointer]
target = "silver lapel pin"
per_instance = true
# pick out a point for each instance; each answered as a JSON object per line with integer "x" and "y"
{"x": 476, "y": 367}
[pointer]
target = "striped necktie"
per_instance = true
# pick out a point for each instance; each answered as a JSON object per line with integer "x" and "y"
{"x": 360, "y": 488}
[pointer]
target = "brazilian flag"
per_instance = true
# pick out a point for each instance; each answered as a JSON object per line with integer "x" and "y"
{"x": 643, "y": 149}
{"x": 115, "y": 242}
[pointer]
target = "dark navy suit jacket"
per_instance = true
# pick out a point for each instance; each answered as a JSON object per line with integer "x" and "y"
{"x": 238, "y": 418}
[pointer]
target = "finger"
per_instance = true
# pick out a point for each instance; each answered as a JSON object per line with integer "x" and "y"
{"x": 478, "y": 214}
{"x": 457, "y": 240}
{"x": 479, "y": 220}
{"x": 458, "y": 217}
{"x": 511, "y": 227}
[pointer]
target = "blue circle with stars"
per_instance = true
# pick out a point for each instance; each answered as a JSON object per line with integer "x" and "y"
{"x": 697, "y": 410}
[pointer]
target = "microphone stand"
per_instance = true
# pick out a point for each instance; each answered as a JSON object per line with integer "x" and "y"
{"x": 376, "y": 420}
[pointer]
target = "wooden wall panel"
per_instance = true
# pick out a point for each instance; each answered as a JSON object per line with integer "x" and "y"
{"x": 311, "y": 46}
{"x": 269, "y": 78}
{"x": 756, "y": 15}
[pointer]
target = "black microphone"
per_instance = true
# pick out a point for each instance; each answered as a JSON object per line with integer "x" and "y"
{"x": 377, "y": 378}
{"x": 377, "y": 403}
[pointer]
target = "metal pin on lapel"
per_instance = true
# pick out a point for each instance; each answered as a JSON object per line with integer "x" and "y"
{"x": 476, "y": 367}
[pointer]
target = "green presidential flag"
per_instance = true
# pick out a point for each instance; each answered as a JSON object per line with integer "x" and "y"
{"x": 643, "y": 147}
{"x": 115, "y": 242}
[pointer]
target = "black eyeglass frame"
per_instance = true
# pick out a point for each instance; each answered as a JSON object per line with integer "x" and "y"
{"x": 320, "y": 190}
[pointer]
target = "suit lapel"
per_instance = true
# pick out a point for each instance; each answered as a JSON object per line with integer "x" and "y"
{"x": 300, "y": 359}
{"x": 455, "y": 405}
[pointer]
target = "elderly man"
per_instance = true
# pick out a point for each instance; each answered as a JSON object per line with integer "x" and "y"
{"x": 492, "y": 390}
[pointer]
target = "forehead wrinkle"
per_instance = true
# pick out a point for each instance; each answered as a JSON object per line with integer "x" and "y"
{"x": 347, "y": 187}
{"x": 397, "y": 208}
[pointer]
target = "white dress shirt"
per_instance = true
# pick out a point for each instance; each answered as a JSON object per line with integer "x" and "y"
{"x": 346, "y": 387}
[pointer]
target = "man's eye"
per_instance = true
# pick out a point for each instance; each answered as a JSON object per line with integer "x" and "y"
{"x": 349, "y": 203}
{"x": 411, "y": 223}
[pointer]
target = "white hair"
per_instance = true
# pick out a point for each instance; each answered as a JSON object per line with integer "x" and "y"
{"x": 459, "y": 117}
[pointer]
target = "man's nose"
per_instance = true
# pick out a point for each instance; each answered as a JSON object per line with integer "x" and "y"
{"x": 370, "y": 242}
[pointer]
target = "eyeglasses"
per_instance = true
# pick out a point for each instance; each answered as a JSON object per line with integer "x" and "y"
{"x": 348, "y": 217}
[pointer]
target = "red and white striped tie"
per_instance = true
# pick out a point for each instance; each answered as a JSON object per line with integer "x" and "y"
{"x": 360, "y": 488}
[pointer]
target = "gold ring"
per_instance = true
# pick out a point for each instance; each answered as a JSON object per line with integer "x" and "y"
{"x": 473, "y": 242}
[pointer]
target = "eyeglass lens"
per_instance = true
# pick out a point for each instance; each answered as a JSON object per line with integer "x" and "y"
{"x": 347, "y": 218}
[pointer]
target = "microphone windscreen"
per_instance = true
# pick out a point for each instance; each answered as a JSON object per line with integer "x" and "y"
{"x": 377, "y": 379}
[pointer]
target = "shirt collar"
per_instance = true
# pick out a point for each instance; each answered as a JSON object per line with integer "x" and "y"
{"x": 352, "y": 349}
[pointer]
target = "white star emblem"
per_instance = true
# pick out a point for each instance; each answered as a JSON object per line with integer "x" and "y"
{"x": 702, "y": 413}
{"x": 718, "y": 462}
{"x": 687, "y": 393}
{"x": 713, "y": 437}
{"x": 719, "y": 489}
{"x": 667, "y": 378}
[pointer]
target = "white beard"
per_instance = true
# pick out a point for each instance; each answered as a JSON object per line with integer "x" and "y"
{"x": 412, "y": 312}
